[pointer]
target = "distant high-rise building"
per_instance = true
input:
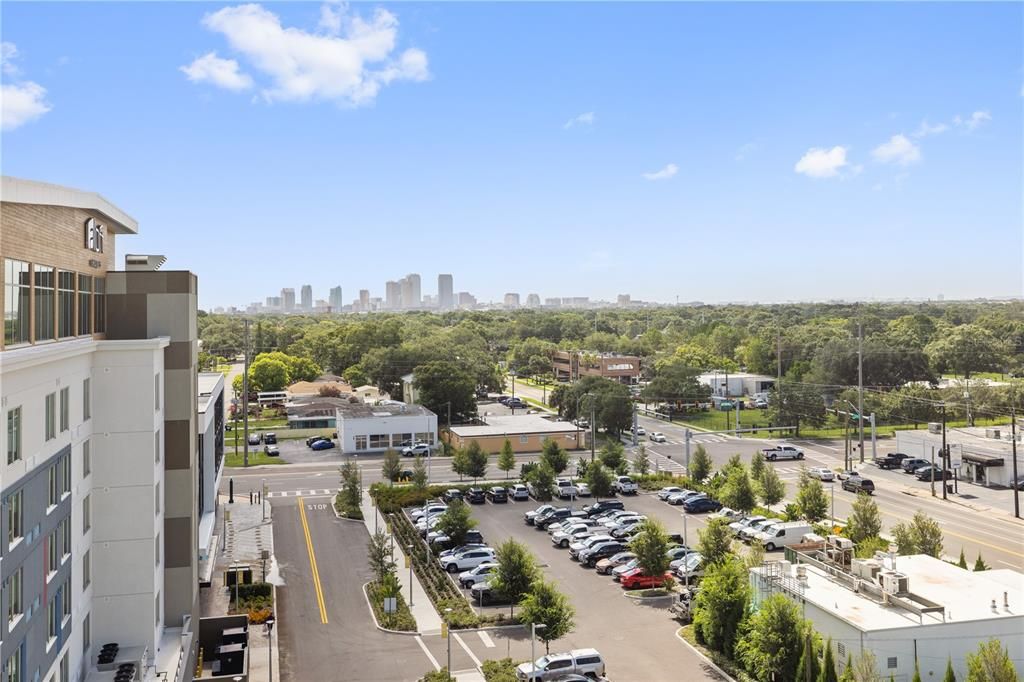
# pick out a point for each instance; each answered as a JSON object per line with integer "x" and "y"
{"x": 445, "y": 297}
{"x": 405, "y": 288}
{"x": 467, "y": 300}
{"x": 623, "y": 299}
{"x": 429, "y": 301}
{"x": 553, "y": 302}
{"x": 415, "y": 295}
{"x": 533, "y": 301}
{"x": 364, "y": 300}
{"x": 288, "y": 300}
{"x": 392, "y": 295}
{"x": 307, "y": 297}
{"x": 335, "y": 300}
{"x": 511, "y": 300}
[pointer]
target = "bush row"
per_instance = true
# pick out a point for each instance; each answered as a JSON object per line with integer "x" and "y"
{"x": 347, "y": 510}
{"x": 501, "y": 670}
{"x": 392, "y": 498}
{"x": 401, "y": 620}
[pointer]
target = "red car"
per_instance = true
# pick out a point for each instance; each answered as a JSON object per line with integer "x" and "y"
{"x": 636, "y": 580}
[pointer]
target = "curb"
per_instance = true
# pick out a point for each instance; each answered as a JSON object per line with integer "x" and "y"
{"x": 338, "y": 515}
{"x": 627, "y": 595}
{"x": 380, "y": 627}
{"x": 703, "y": 657}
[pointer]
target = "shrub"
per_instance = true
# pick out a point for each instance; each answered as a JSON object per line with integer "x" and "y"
{"x": 502, "y": 670}
{"x": 401, "y": 620}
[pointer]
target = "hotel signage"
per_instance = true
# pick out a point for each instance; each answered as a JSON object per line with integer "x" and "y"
{"x": 93, "y": 236}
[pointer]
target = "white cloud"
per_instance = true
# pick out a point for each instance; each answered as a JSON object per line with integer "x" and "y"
{"x": 349, "y": 68}
{"x": 8, "y": 53}
{"x": 926, "y": 129}
{"x": 975, "y": 120}
{"x": 819, "y": 162}
{"x": 899, "y": 150}
{"x": 664, "y": 174}
{"x": 223, "y": 73}
{"x": 585, "y": 119}
{"x": 21, "y": 103}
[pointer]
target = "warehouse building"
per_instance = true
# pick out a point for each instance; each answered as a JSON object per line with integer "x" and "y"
{"x": 526, "y": 433}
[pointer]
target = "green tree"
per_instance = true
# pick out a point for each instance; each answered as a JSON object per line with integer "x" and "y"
{"x": 757, "y": 467}
{"x": 641, "y": 462}
{"x": 828, "y": 665}
{"x": 675, "y": 382}
{"x": 651, "y": 546}
{"x": 700, "y": 464}
{"x": 738, "y": 492}
{"x": 507, "y": 458}
{"x": 612, "y": 455}
{"x": 808, "y": 667}
{"x": 990, "y": 663}
{"x": 456, "y": 521}
{"x": 419, "y": 474}
{"x": 966, "y": 350}
{"x": 811, "y": 499}
{"x": 864, "y": 521}
{"x": 554, "y": 455}
{"x": 542, "y": 478}
{"x": 599, "y": 480}
{"x": 950, "y": 676}
{"x": 979, "y": 564}
{"x": 922, "y": 535}
{"x": 544, "y": 604}
{"x": 392, "y": 465}
{"x": 378, "y": 554}
{"x": 460, "y": 462}
{"x": 721, "y": 605}
{"x": 773, "y": 640}
{"x": 715, "y": 541}
{"x": 772, "y": 487}
{"x": 516, "y": 571}
{"x": 864, "y": 668}
{"x": 847, "y": 675}
{"x": 963, "y": 560}
{"x": 439, "y": 383}
{"x": 476, "y": 461}
{"x": 268, "y": 374}
{"x": 798, "y": 405}
{"x": 351, "y": 488}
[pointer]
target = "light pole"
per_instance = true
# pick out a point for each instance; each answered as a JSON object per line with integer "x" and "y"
{"x": 408, "y": 558}
{"x": 513, "y": 401}
{"x": 585, "y": 395}
{"x": 533, "y": 643}
{"x": 263, "y": 497}
{"x": 832, "y": 487}
{"x": 269, "y": 622}
{"x": 448, "y": 632}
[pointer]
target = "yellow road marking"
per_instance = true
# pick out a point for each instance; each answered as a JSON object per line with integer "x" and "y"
{"x": 958, "y": 535}
{"x": 312, "y": 563}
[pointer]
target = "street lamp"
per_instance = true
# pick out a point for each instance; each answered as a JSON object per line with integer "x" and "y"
{"x": 593, "y": 432}
{"x": 269, "y": 622}
{"x": 408, "y": 558}
{"x": 533, "y": 642}
{"x": 447, "y": 620}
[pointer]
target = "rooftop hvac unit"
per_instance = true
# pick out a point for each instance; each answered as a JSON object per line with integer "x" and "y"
{"x": 993, "y": 433}
{"x": 934, "y": 427}
{"x": 893, "y": 582}
{"x": 801, "y": 572}
{"x": 865, "y": 568}
{"x": 839, "y": 542}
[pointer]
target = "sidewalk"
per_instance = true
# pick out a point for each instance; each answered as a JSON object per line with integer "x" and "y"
{"x": 427, "y": 620}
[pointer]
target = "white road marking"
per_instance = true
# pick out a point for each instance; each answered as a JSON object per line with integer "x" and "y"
{"x": 476, "y": 661}
{"x": 433, "y": 661}
{"x": 486, "y": 639}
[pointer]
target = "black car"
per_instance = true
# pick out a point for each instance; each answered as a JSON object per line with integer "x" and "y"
{"x": 700, "y": 505}
{"x": 313, "y": 439}
{"x": 452, "y": 494}
{"x": 933, "y": 474}
{"x": 856, "y": 484}
{"x": 473, "y": 537}
{"x": 403, "y": 475}
{"x": 475, "y": 496}
{"x": 483, "y": 594}
{"x": 603, "y": 552}
{"x": 497, "y": 494}
{"x": 270, "y": 438}
{"x": 555, "y": 516}
{"x": 603, "y": 506}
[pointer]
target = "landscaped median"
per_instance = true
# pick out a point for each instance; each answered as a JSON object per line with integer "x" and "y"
{"x": 399, "y": 621}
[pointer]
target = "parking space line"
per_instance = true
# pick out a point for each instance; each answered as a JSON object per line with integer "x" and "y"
{"x": 312, "y": 564}
{"x": 472, "y": 656}
{"x": 486, "y": 639}
{"x": 433, "y": 661}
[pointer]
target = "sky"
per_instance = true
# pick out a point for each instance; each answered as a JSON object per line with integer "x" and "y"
{"x": 700, "y": 152}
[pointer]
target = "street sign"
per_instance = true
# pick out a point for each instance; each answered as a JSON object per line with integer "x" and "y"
{"x": 390, "y": 604}
{"x": 407, "y": 561}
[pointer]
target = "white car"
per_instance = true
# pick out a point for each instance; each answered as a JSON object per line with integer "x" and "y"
{"x": 582, "y": 490}
{"x": 725, "y": 513}
{"x": 519, "y": 492}
{"x": 641, "y": 431}
{"x": 565, "y": 489}
{"x": 623, "y": 521}
{"x": 821, "y": 473}
{"x": 477, "y": 575}
{"x": 471, "y": 558}
{"x": 624, "y": 485}
{"x": 737, "y": 526}
{"x": 679, "y": 498}
{"x": 564, "y": 538}
{"x": 664, "y": 493}
{"x": 657, "y": 437}
{"x": 691, "y": 567}
{"x": 419, "y": 449}
{"x": 417, "y": 513}
{"x": 624, "y": 568}
{"x": 592, "y": 541}
{"x": 531, "y": 516}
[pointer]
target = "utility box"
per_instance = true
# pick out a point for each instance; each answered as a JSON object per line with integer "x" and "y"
{"x": 239, "y": 572}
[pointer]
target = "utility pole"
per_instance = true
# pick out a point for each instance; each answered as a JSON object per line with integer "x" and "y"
{"x": 945, "y": 453}
{"x": 636, "y": 438}
{"x": 245, "y": 398}
{"x": 778, "y": 368}
{"x": 593, "y": 429}
{"x": 687, "y": 434}
{"x": 1013, "y": 449}
{"x": 860, "y": 387}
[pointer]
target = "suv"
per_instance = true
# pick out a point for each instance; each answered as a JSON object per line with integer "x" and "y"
{"x": 586, "y": 662}
{"x": 530, "y": 517}
{"x": 452, "y": 494}
{"x": 417, "y": 449}
{"x": 555, "y": 517}
{"x": 497, "y": 494}
{"x": 467, "y": 560}
{"x": 625, "y": 486}
{"x": 442, "y": 542}
{"x": 603, "y": 506}
{"x": 857, "y": 484}
{"x": 270, "y": 438}
{"x": 519, "y": 492}
{"x": 602, "y": 550}
{"x": 476, "y": 496}
{"x": 912, "y": 464}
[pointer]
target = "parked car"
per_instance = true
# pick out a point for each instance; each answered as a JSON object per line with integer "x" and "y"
{"x": 576, "y": 547}
{"x": 602, "y": 550}
{"x": 270, "y": 438}
{"x": 271, "y": 450}
{"x": 674, "y": 553}
{"x": 624, "y": 568}
{"x": 624, "y": 485}
{"x": 574, "y": 533}
{"x": 912, "y": 464}
{"x": 421, "y": 449}
{"x": 477, "y": 575}
{"x": 636, "y": 580}
{"x": 933, "y": 473}
{"x": 442, "y": 542}
{"x": 520, "y": 492}
{"x": 664, "y": 493}
{"x": 313, "y": 439}
{"x": 676, "y": 563}
{"x": 685, "y": 496}
{"x": 701, "y": 505}
{"x": 451, "y": 495}
{"x": 737, "y": 526}
{"x": 782, "y": 452}
{"x": 323, "y": 445}
{"x": 564, "y": 489}
{"x": 476, "y": 496}
{"x": 605, "y": 566}
{"x": 586, "y": 662}
{"x": 434, "y": 508}
{"x": 691, "y": 568}
{"x": 255, "y": 439}
{"x": 890, "y": 461}
{"x": 782, "y": 535}
{"x": 603, "y": 505}
{"x": 556, "y": 516}
{"x": 582, "y": 490}
{"x": 752, "y": 529}
{"x": 460, "y": 549}
{"x": 857, "y": 484}
{"x": 760, "y": 404}
{"x": 530, "y": 517}
{"x": 484, "y": 594}
{"x": 497, "y": 494}
{"x": 726, "y": 513}
{"x": 627, "y": 531}
{"x": 657, "y": 437}
{"x": 821, "y": 473}
{"x": 472, "y": 558}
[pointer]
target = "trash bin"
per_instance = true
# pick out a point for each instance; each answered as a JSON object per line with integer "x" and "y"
{"x": 949, "y": 488}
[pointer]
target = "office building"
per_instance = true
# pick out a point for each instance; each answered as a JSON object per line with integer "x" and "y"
{"x": 622, "y": 300}
{"x": 467, "y": 301}
{"x": 335, "y": 300}
{"x": 364, "y": 300}
{"x": 366, "y": 428}
{"x": 526, "y": 433}
{"x": 445, "y": 292}
{"x": 288, "y": 300}
{"x": 307, "y": 297}
{"x": 511, "y": 300}
{"x": 415, "y": 299}
{"x": 533, "y": 301}
{"x": 392, "y": 295}
{"x": 107, "y": 482}
{"x": 570, "y": 365}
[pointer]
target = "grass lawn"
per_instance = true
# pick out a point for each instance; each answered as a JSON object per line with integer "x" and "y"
{"x": 255, "y": 458}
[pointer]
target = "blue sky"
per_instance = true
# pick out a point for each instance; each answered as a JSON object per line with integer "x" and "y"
{"x": 759, "y": 152}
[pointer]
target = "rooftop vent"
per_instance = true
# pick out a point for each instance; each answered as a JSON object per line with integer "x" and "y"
{"x": 136, "y": 262}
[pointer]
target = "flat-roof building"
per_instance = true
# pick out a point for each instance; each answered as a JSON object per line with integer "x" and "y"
{"x": 526, "y": 432}
{"x": 981, "y": 455}
{"x": 570, "y": 365}
{"x": 736, "y": 384}
{"x": 364, "y": 428}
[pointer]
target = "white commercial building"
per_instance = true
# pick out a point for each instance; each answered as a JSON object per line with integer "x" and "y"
{"x": 927, "y": 610}
{"x": 983, "y": 456}
{"x": 736, "y": 384}
{"x": 374, "y": 428}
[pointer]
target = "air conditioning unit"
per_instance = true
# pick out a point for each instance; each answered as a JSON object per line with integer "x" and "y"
{"x": 839, "y": 542}
{"x": 934, "y": 427}
{"x": 865, "y": 568}
{"x": 993, "y": 433}
{"x": 893, "y": 582}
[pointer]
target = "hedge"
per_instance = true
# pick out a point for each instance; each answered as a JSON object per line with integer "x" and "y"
{"x": 401, "y": 620}
{"x": 502, "y": 670}
{"x": 393, "y": 498}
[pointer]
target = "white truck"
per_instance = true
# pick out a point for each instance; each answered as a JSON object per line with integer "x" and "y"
{"x": 782, "y": 452}
{"x": 782, "y": 535}
{"x": 624, "y": 485}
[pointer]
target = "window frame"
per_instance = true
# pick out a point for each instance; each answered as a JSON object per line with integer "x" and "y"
{"x": 86, "y": 399}
{"x": 65, "y": 409}
{"x": 14, "y": 586}
{"x": 14, "y": 434}
{"x": 15, "y": 517}
{"x": 17, "y": 298}
{"x": 50, "y": 416}
{"x": 86, "y": 513}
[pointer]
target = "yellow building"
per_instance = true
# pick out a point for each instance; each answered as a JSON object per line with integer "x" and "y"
{"x": 526, "y": 433}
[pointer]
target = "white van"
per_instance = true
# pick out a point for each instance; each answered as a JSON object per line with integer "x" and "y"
{"x": 782, "y": 535}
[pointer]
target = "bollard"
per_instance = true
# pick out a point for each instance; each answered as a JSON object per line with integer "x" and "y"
{"x": 231, "y": 491}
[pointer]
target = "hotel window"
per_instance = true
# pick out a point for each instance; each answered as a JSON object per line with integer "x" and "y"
{"x": 65, "y": 602}
{"x": 53, "y": 488}
{"x": 53, "y": 552}
{"x": 84, "y": 307}
{"x": 50, "y": 415}
{"x": 379, "y": 440}
{"x": 15, "y": 518}
{"x": 86, "y": 458}
{"x": 86, "y": 514}
{"x": 65, "y": 304}
{"x": 65, "y": 540}
{"x": 51, "y": 621}
{"x": 86, "y": 399}
{"x": 86, "y": 569}
{"x": 156, "y": 391}
{"x": 14, "y": 589}
{"x": 157, "y": 550}
{"x": 13, "y": 435}
{"x": 16, "y": 302}
{"x": 45, "y": 300}
{"x": 427, "y": 438}
{"x": 65, "y": 475}
{"x": 524, "y": 439}
{"x": 99, "y": 305}
{"x": 12, "y": 668}
{"x": 360, "y": 442}
{"x": 86, "y": 633}
{"x": 156, "y": 608}
{"x": 65, "y": 409}
{"x": 157, "y": 499}
{"x": 156, "y": 445}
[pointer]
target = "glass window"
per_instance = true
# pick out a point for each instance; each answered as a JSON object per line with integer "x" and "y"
{"x": 156, "y": 391}
{"x": 86, "y": 458}
{"x": 401, "y": 439}
{"x": 524, "y": 439}
{"x": 51, "y": 618}
{"x": 65, "y": 409}
{"x": 16, "y": 302}
{"x": 84, "y": 304}
{"x": 53, "y": 494}
{"x": 86, "y": 399}
{"x": 157, "y": 502}
{"x": 15, "y": 518}
{"x": 86, "y": 569}
{"x": 65, "y": 304}
{"x": 43, "y": 277}
{"x": 14, "y": 589}
{"x": 13, "y": 435}
{"x": 65, "y": 666}
{"x": 86, "y": 633}
{"x": 157, "y": 550}
{"x": 65, "y": 475}
{"x": 99, "y": 305}
{"x": 12, "y": 668}
{"x": 86, "y": 514}
{"x": 50, "y": 415}
{"x": 156, "y": 445}
{"x": 360, "y": 442}
{"x": 427, "y": 438}
{"x": 65, "y": 602}
{"x": 53, "y": 551}
{"x": 379, "y": 440}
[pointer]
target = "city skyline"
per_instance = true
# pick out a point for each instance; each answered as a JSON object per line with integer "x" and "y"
{"x": 673, "y": 166}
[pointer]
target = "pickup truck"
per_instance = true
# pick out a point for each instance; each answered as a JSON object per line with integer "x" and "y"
{"x": 586, "y": 662}
{"x": 782, "y": 452}
{"x": 624, "y": 485}
{"x": 891, "y": 461}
